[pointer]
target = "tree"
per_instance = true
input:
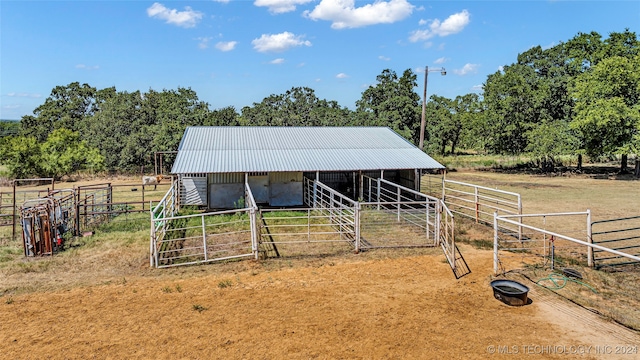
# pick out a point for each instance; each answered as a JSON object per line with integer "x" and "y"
{"x": 66, "y": 107}
{"x": 21, "y": 155}
{"x": 64, "y": 153}
{"x": 392, "y": 102}
{"x": 549, "y": 140}
{"x": 607, "y": 107}
{"x": 298, "y": 106}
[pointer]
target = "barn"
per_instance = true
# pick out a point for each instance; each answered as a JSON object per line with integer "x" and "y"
{"x": 214, "y": 162}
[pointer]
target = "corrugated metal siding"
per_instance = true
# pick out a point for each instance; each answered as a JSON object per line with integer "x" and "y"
{"x": 286, "y": 149}
{"x": 193, "y": 190}
{"x": 226, "y": 178}
{"x": 285, "y": 177}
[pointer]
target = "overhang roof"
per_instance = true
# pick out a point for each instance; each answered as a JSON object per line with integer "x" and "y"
{"x": 233, "y": 149}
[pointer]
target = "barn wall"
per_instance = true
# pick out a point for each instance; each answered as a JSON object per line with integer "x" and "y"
{"x": 259, "y": 184}
{"x": 285, "y": 189}
{"x": 193, "y": 189}
{"x": 225, "y": 190}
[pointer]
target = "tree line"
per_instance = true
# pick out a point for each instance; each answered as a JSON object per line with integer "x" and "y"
{"x": 578, "y": 97}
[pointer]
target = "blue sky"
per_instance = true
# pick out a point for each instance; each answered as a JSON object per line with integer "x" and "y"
{"x": 237, "y": 52}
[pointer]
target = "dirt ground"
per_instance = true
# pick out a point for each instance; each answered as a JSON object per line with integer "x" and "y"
{"x": 349, "y": 307}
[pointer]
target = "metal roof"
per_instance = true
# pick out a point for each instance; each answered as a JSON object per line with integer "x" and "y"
{"x": 228, "y": 149}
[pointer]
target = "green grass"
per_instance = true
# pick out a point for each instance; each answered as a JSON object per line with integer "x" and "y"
{"x": 481, "y": 161}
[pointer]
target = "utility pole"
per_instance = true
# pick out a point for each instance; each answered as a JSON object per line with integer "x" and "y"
{"x": 423, "y": 121}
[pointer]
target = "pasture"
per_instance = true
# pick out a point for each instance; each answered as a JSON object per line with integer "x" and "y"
{"x": 100, "y": 299}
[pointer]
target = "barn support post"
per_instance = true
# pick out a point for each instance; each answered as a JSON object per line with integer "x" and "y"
{"x": 360, "y": 188}
{"x": 254, "y": 236}
{"x": 589, "y": 240}
{"x": 495, "y": 243}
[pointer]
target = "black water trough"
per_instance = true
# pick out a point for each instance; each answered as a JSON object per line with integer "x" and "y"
{"x": 510, "y": 292}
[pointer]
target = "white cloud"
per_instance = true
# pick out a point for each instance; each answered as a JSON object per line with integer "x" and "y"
{"x": 279, "y": 42}
{"x": 187, "y": 18}
{"x": 280, "y": 6}
{"x": 452, "y": 25}
{"x": 226, "y": 45}
{"x": 222, "y": 1}
{"x": 277, "y": 61}
{"x": 343, "y": 13}
{"x": 28, "y": 95}
{"x": 87, "y": 67}
{"x": 11, "y": 106}
{"x": 422, "y": 22}
{"x": 501, "y": 68}
{"x": 467, "y": 69}
{"x": 441, "y": 60}
{"x": 477, "y": 88}
{"x": 384, "y": 58}
{"x": 342, "y": 76}
{"x": 204, "y": 42}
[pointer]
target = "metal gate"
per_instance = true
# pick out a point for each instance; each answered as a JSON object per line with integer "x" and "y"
{"x": 622, "y": 234}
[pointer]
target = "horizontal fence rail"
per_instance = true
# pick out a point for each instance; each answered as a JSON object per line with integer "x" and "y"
{"x": 480, "y": 203}
{"x": 548, "y": 245}
{"x": 621, "y": 234}
{"x": 390, "y": 215}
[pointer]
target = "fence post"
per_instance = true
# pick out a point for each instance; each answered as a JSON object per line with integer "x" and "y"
{"x": 254, "y": 237}
{"x": 519, "y": 218}
{"x": 399, "y": 199}
{"x": 475, "y": 199}
{"x": 378, "y": 194}
{"x": 495, "y": 243}
{"x": 357, "y": 226}
{"x": 13, "y": 213}
{"x": 426, "y": 208}
{"x": 589, "y": 240}
{"x": 438, "y": 222}
{"x": 204, "y": 239}
{"x": 152, "y": 237}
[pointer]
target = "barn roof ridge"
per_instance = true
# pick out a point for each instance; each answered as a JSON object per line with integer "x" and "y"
{"x": 224, "y": 149}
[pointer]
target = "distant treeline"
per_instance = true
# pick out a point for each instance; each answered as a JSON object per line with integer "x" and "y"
{"x": 578, "y": 97}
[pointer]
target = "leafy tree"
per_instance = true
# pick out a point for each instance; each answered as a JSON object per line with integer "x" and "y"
{"x": 64, "y": 153}
{"x": 549, "y": 140}
{"x": 22, "y": 155}
{"x": 607, "y": 107}
{"x": 66, "y": 107}
{"x": 392, "y": 102}
{"x": 298, "y": 106}
{"x": 223, "y": 117}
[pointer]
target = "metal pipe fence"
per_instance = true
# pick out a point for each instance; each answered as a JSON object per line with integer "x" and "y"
{"x": 480, "y": 203}
{"x": 621, "y": 234}
{"x": 331, "y": 223}
{"x": 545, "y": 247}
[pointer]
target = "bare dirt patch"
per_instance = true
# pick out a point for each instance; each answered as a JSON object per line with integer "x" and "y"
{"x": 350, "y": 307}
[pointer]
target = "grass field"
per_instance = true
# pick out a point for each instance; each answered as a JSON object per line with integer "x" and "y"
{"x": 101, "y": 295}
